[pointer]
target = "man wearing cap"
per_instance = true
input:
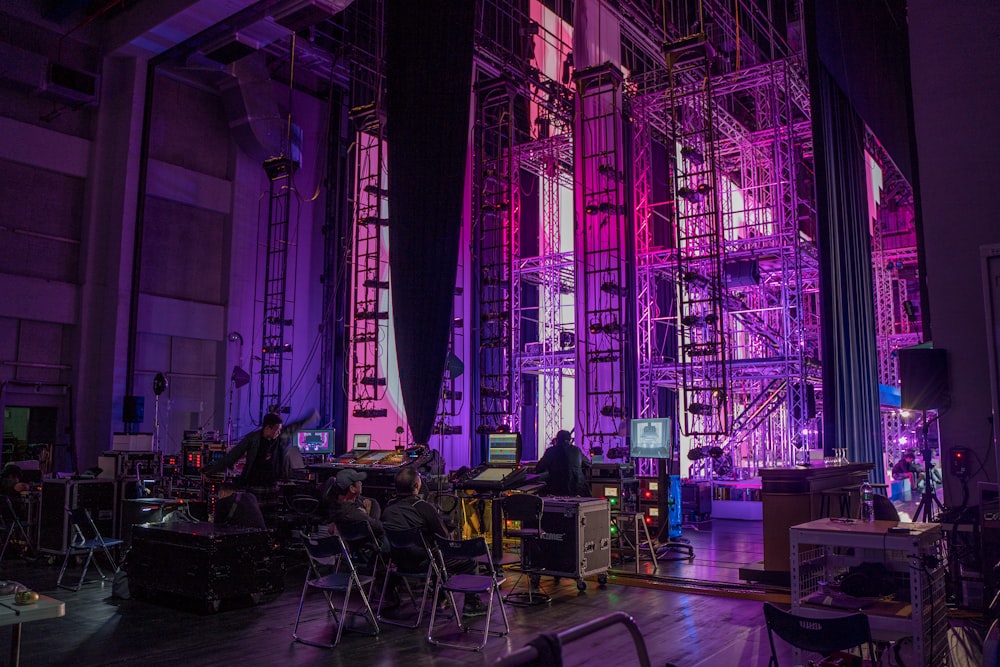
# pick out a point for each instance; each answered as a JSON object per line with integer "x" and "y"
{"x": 563, "y": 464}
{"x": 348, "y": 505}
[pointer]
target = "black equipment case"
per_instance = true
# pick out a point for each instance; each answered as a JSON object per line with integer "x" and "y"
{"x": 203, "y": 561}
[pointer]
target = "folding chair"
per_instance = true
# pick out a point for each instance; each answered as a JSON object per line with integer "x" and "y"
{"x": 365, "y": 549}
{"x": 526, "y": 510}
{"x": 330, "y": 553}
{"x": 12, "y": 526}
{"x": 468, "y": 584}
{"x": 825, "y": 636}
{"x": 86, "y": 539}
{"x": 410, "y": 540}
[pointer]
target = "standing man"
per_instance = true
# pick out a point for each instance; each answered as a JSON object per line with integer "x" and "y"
{"x": 565, "y": 467}
{"x": 269, "y": 455}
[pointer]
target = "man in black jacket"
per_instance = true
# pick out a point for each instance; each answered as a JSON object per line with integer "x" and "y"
{"x": 565, "y": 466}
{"x": 269, "y": 455}
{"x": 408, "y": 510}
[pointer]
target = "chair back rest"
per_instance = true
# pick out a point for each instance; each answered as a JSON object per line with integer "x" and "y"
{"x": 354, "y": 532}
{"x": 8, "y": 515}
{"x": 524, "y": 507}
{"x": 327, "y": 550}
{"x": 818, "y": 635}
{"x": 471, "y": 549}
{"x": 406, "y": 539}
{"x": 883, "y": 508}
{"x": 83, "y": 524}
{"x": 302, "y": 504}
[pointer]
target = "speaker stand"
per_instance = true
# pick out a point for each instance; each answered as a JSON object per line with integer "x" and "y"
{"x": 929, "y": 506}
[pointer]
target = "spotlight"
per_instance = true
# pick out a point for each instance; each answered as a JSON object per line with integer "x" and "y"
{"x": 702, "y": 409}
{"x": 692, "y": 155}
{"x": 715, "y": 453}
{"x": 696, "y": 454}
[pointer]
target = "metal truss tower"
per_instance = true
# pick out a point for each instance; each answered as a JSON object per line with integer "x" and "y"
{"x": 702, "y": 354}
{"x": 275, "y": 345}
{"x": 604, "y": 255}
{"x": 740, "y": 342}
{"x": 496, "y": 207}
{"x": 370, "y": 255}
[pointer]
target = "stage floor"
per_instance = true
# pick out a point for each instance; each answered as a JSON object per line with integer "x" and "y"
{"x": 691, "y": 614}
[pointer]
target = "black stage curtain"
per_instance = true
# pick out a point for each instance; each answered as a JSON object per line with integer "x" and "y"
{"x": 428, "y": 83}
{"x": 850, "y": 356}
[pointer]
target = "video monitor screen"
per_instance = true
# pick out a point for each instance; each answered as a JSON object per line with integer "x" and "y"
{"x": 504, "y": 449}
{"x": 651, "y": 439}
{"x": 362, "y": 442}
{"x": 315, "y": 441}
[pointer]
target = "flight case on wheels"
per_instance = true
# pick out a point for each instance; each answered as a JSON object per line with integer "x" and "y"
{"x": 575, "y": 541}
{"x": 203, "y": 561}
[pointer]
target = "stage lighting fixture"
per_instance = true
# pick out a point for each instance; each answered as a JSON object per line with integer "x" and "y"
{"x": 696, "y": 454}
{"x": 596, "y": 327}
{"x": 702, "y": 409}
{"x": 715, "y": 453}
{"x": 692, "y": 320}
{"x": 689, "y": 195}
{"x": 566, "y": 339}
{"x": 692, "y": 155}
{"x": 611, "y": 411}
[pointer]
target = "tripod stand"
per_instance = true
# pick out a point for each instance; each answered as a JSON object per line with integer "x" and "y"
{"x": 929, "y": 505}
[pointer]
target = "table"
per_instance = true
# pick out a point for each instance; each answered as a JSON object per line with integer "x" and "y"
{"x": 791, "y": 496}
{"x": 912, "y": 555}
{"x": 14, "y": 615}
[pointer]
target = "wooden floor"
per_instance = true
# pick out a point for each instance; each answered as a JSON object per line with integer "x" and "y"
{"x": 720, "y": 624}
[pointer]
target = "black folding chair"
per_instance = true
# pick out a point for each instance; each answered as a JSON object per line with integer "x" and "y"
{"x": 326, "y": 555}
{"x": 526, "y": 511}
{"x": 467, "y": 584}
{"x": 12, "y": 526}
{"x": 407, "y": 541}
{"x": 85, "y": 538}
{"x": 365, "y": 549}
{"x": 825, "y": 636}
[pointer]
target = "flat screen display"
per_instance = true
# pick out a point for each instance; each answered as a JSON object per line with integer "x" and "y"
{"x": 362, "y": 441}
{"x": 504, "y": 449}
{"x": 315, "y": 441}
{"x": 651, "y": 438}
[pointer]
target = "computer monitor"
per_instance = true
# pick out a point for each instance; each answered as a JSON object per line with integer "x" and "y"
{"x": 362, "y": 442}
{"x": 651, "y": 438}
{"x": 504, "y": 449}
{"x": 315, "y": 441}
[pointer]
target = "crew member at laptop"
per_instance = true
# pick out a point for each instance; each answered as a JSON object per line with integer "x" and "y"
{"x": 269, "y": 455}
{"x": 564, "y": 467}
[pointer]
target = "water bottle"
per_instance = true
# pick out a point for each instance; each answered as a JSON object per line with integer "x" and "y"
{"x": 867, "y": 502}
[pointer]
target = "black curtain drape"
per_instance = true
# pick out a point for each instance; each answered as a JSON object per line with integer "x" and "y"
{"x": 850, "y": 356}
{"x": 428, "y": 83}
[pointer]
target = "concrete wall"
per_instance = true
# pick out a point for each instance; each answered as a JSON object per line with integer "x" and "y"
{"x": 956, "y": 89}
{"x": 68, "y": 226}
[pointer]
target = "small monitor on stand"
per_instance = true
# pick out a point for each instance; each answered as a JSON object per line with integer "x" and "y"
{"x": 315, "y": 441}
{"x": 362, "y": 442}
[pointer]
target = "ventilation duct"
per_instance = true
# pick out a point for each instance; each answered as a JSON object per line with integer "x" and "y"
{"x": 255, "y": 120}
{"x": 35, "y": 73}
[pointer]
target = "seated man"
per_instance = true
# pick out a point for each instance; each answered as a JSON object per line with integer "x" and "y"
{"x": 564, "y": 467}
{"x": 238, "y": 508}
{"x": 906, "y": 468}
{"x": 407, "y": 510}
